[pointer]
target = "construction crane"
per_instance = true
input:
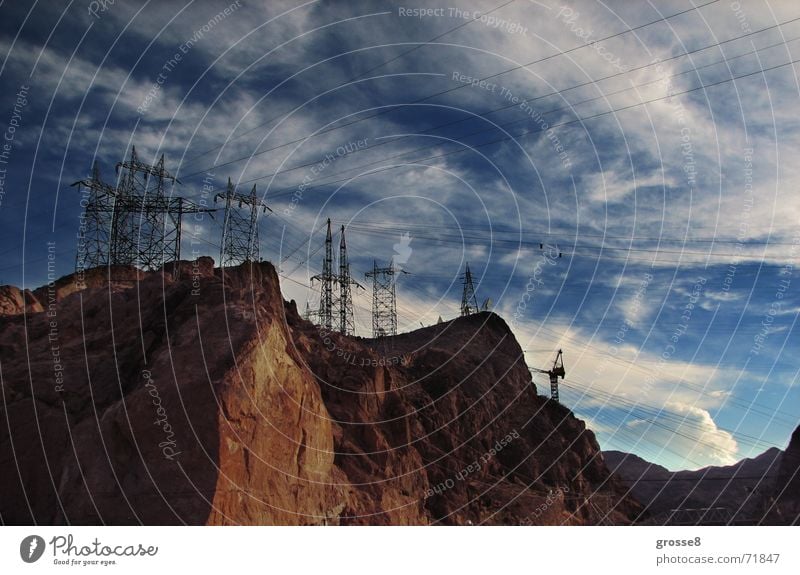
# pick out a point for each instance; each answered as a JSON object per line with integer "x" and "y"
{"x": 554, "y": 373}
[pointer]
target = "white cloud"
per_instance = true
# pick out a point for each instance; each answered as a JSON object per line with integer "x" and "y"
{"x": 611, "y": 186}
{"x": 695, "y": 437}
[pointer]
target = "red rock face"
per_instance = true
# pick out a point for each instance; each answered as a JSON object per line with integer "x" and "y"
{"x": 197, "y": 397}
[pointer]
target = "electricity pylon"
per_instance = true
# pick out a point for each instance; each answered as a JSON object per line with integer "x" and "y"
{"x": 384, "y": 299}
{"x": 326, "y": 278}
{"x": 346, "y": 321}
{"x": 95, "y": 230}
{"x": 135, "y": 223}
{"x": 240, "y": 226}
{"x": 469, "y": 303}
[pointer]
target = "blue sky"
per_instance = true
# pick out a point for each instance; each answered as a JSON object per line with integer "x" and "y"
{"x": 673, "y": 205}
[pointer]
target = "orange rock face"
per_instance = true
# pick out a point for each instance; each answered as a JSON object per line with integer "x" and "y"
{"x": 14, "y": 301}
{"x": 193, "y": 396}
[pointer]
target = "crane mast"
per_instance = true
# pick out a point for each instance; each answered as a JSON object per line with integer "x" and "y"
{"x": 554, "y": 373}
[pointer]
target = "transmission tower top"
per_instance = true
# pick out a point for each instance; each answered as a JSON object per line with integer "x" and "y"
{"x": 157, "y": 170}
{"x": 250, "y": 199}
{"x": 95, "y": 182}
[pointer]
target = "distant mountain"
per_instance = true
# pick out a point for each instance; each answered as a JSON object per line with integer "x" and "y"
{"x": 741, "y": 489}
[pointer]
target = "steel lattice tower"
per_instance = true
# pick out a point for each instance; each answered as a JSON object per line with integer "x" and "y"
{"x": 325, "y": 312}
{"x": 469, "y": 303}
{"x": 147, "y": 220}
{"x": 240, "y": 230}
{"x": 134, "y": 223}
{"x": 384, "y": 300}
{"x": 94, "y": 245}
{"x": 346, "y": 322}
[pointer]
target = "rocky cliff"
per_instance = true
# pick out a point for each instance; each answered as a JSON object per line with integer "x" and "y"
{"x": 193, "y": 396}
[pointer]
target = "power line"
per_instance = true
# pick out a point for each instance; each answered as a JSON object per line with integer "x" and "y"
{"x": 499, "y": 243}
{"x": 637, "y": 442}
{"x": 350, "y": 81}
{"x": 627, "y": 71}
{"x": 641, "y": 413}
{"x": 554, "y": 93}
{"x": 389, "y": 226}
{"x": 459, "y": 87}
{"x": 561, "y": 91}
{"x": 637, "y": 409}
{"x": 465, "y": 147}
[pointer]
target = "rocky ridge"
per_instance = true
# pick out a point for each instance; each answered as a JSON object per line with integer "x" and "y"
{"x": 194, "y": 395}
